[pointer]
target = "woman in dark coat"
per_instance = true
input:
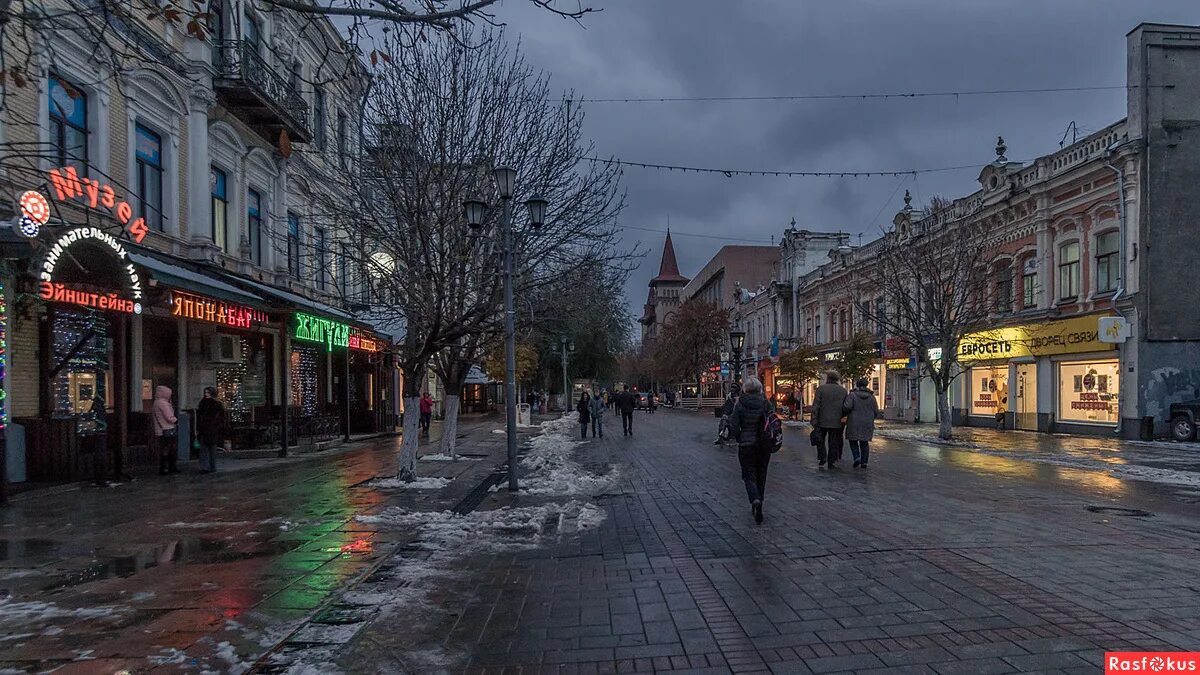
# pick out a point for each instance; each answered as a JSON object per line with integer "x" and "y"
{"x": 585, "y": 414}
{"x": 745, "y": 425}
{"x": 210, "y": 428}
{"x": 861, "y": 408}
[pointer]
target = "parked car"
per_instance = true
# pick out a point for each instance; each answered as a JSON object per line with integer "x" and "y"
{"x": 643, "y": 401}
{"x": 1184, "y": 417}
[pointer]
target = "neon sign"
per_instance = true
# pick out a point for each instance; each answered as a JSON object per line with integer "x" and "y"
{"x": 3, "y": 359}
{"x": 49, "y": 289}
{"x": 68, "y": 185}
{"x": 362, "y": 342}
{"x": 199, "y": 308}
{"x": 316, "y": 329}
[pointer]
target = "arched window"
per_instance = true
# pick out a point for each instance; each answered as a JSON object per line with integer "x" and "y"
{"x": 1068, "y": 271}
{"x": 1004, "y": 288}
{"x": 1108, "y": 270}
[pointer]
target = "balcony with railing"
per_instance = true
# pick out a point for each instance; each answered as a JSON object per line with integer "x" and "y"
{"x": 253, "y": 91}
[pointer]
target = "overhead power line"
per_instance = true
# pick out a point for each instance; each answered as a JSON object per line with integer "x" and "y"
{"x": 864, "y": 96}
{"x": 730, "y": 173}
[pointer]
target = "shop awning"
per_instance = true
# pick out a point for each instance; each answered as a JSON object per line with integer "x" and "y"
{"x": 185, "y": 279}
{"x": 298, "y": 301}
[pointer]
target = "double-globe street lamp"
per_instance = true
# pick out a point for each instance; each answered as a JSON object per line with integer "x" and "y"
{"x": 506, "y": 179}
{"x": 737, "y": 342}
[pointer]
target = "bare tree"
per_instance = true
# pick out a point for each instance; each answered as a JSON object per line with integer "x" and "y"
{"x": 691, "y": 340}
{"x": 439, "y": 118}
{"x": 932, "y": 290}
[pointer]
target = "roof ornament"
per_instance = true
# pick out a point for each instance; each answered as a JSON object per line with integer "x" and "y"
{"x": 907, "y": 200}
{"x": 1001, "y": 148}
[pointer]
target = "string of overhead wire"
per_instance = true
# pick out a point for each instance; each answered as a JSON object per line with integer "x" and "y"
{"x": 866, "y": 96}
{"x": 730, "y": 173}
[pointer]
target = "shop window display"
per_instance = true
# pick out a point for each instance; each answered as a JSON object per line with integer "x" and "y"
{"x": 989, "y": 390}
{"x": 305, "y": 380}
{"x": 81, "y": 340}
{"x": 243, "y": 386}
{"x": 1088, "y": 392}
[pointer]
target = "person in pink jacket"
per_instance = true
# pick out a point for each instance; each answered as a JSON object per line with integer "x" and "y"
{"x": 165, "y": 430}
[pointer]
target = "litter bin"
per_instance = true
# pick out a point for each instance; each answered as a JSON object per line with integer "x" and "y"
{"x": 1146, "y": 431}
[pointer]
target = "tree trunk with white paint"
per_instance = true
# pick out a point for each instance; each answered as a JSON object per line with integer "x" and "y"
{"x": 413, "y": 379}
{"x": 450, "y": 426}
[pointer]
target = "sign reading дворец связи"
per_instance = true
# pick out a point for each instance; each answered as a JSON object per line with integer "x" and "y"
{"x": 1068, "y": 336}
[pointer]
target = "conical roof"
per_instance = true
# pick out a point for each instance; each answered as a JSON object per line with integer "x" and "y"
{"x": 668, "y": 269}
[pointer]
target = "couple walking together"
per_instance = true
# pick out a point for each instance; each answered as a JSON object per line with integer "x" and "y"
{"x": 838, "y": 415}
{"x": 591, "y": 409}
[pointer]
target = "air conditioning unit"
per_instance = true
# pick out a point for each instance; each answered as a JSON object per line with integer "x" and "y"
{"x": 224, "y": 348}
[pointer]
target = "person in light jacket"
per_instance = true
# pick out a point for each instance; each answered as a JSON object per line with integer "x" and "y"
{"x": 861, "y": 409}
{"x": 584, "y": 408}
{"x": 597, "y": 409}
{"x": 827, "y": 419}
{"x": 165, "y": 430}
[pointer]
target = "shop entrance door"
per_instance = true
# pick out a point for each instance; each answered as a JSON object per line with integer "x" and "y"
{"x": 1026, "y": 409}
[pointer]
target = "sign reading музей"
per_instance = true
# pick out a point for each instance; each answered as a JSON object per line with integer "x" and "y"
{"x": 1077, "y": 335}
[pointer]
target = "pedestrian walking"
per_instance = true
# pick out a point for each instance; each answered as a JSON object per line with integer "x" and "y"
{"x": 597, "y": 406}
{"x": 726, "y": 410}
{"x": 651, "y": 402}
{"x": 584, "y": 408}
{"x": 861, "y": 409}
{"x": 626, "y": 402}
{"x": 165, "y": 430}
{"x": 746, "y": 426}
{"x": 827, "y": 420}
{"x": 426, "y": 413}
{"x": 210, "y": 428}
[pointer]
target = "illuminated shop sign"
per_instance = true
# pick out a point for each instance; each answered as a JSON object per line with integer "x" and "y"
{"x": 898, "y": 364}
{"x": 50, "y": 289}
{"x": 1069, "y": 336}
{"x": 363, "y": 342}
{"x": 200, "y": 308}
{"x": 316, "y": 329}
{"x": 97, "y": 195}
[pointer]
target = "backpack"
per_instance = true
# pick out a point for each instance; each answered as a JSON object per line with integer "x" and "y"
{"x": 770, "y": 436}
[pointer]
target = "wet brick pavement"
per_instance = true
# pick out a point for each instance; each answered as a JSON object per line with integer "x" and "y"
{"x": 935, "y": 560}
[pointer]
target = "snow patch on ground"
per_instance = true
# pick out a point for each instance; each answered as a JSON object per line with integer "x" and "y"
{"x": 549, "y": 467}
{"x": 220, "y": 523}
{"x": 442, "y": 457}
{"x": 24, "y": 613}
{"x": 419, "y": 483}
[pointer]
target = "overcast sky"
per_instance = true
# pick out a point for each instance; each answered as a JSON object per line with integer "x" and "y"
{"x": 651, "y": 48}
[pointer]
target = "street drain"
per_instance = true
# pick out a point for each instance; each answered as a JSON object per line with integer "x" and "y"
{"x": 1120, "y": 511}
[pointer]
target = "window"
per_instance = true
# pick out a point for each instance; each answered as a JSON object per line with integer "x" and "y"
{"x": 220, "y": 209}
{"x": 319, "y": 117}
{"x": 341, "y": 140}
{"x": 1068, "y": 271}
{"x": 293, "y": 245}
{"x": 319, "y": 244}
{"x": 251, "y": 33}
{"x": 254, "y": 220}
{"x": 148, "y": 153}
{"x": 880, "y": 316}
{"x": 343, "y": 269}
{"x": 1004, "y": 289}
{"x": 989, "y": 390}
{"x": 296, "y": 77}
{"x": 216, "y": 25}
{"x": 68, "y": 125}
{"x": 1088, "y": 392}
{"x": 845, "y": 325}
{"x": 1108, "y": 271}
{"x": 1029, "y": 284}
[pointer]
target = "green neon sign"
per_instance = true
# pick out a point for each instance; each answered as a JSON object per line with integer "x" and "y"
{"x": 316, "y": 329}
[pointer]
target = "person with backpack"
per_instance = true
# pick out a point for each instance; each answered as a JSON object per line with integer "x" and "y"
{"x": 861, "y": 409}
{"x": 756, "y": 428}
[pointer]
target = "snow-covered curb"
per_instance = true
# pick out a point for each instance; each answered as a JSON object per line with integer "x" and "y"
{"x": 442, "y": 457}
{"x": 418, "y": 483}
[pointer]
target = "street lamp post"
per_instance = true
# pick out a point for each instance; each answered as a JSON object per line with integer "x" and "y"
{"x": 737, "y": 342}
{"x": 567, "y": 345}
{"x": 505, "y": 179}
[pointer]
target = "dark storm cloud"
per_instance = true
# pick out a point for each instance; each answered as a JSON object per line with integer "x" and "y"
{"x": 672, "y": 48}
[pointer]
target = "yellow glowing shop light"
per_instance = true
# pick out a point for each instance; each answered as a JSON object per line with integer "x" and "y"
{"x": 199, "y": 308}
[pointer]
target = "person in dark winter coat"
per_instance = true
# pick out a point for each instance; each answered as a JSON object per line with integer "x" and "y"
{"x": 745, "y": 426}
{"x": 861, "y": 409}
{"x": 827, "y": 419}
{"x": 584, "y": 408}
{"x": 210, "y": 428}
{"x": 726, "y": 411}
{"x": 626, "y": 402}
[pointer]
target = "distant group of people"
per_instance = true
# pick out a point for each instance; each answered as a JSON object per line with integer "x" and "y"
{"x": 591, "y": 410}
